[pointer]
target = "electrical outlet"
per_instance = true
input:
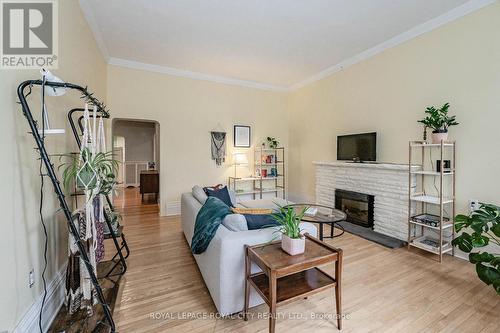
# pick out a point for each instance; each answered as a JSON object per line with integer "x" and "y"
{"x": 32, "y": 278}
{"x": 473, "y": 205}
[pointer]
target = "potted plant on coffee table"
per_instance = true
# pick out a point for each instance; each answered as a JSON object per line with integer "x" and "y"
{"x": 439, "y": 120}
{"x": 292, "y": 241}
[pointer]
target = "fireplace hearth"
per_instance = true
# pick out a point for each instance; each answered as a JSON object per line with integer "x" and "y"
{"x": 357, "y": 206}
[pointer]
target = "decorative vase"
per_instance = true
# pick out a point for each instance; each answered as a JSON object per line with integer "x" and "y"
{"x": 293, "y": 246}
{"x": 438, "y": 136}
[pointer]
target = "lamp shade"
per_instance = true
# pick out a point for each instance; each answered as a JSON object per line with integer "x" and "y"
{"x": 240, "y": 158}
{"x": 52, "y": 91}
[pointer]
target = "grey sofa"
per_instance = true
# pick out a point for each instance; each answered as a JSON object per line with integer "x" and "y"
{"x": 222, "y": 265}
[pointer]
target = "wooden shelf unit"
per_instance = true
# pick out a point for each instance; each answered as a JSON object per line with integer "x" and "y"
{"x": 259, "y": 184}
{"x": 422, "y": 201}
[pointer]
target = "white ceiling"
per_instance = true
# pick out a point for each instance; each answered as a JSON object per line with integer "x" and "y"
{"x": 279, "y": 43}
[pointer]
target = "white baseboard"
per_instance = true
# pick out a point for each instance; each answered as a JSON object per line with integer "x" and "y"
{"x": 173, "y": 208}
{"x": 54, "y": 300}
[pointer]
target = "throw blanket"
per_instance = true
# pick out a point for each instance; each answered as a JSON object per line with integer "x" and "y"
{"x": 207, "y": 222}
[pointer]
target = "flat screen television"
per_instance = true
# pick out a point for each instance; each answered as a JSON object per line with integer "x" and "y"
{"x": 357, "y": 147}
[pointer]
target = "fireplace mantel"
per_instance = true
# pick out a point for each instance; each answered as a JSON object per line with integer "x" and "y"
{"x": 386, "y": 181}
{"x": 386, "y": 166}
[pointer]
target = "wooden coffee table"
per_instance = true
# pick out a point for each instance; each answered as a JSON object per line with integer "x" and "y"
{"x": 285, "y": 278}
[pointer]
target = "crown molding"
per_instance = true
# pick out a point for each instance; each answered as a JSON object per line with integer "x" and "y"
{"x": 452, "y": 15}
{"x": 193, "y": 75}
{"x": 94, "y": 27}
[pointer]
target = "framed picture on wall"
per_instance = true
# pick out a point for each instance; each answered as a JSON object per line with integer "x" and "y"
{"x": 242, "y": 136}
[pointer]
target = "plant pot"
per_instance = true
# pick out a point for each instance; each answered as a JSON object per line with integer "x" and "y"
{"x": 438, "y": 136}
{"x": 293, "y": 246}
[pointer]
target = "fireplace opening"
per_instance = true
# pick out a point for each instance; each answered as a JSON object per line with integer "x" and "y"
{"x": 357, "y": 206}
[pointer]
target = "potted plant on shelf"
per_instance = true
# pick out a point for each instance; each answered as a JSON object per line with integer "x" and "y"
{"x": 272, "y": 142}
{"x": 439, "y": 120}
{"x": 292, "y": 241}
{"x": 485, "y": 226}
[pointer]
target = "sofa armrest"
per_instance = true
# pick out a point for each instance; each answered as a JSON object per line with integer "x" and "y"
{"x": 223, "y": 265}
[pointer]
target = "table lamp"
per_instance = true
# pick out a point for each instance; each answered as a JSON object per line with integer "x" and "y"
{"x": 239, "y": 159}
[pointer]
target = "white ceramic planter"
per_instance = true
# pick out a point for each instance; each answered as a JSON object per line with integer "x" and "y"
{"x": 437, "y": 137}
{"x": 293, "y": 246}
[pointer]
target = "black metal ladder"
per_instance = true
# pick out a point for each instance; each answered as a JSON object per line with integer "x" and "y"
{"x": 55, "y": 182}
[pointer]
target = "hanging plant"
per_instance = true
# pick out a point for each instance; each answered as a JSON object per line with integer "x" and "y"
{"x": 90, "y": 171}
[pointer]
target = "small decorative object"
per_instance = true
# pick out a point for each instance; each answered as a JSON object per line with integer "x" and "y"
{"x": 151, "y": 165}
{"x": 292, "y": 241}
{"x": 272, "y": 142}
{"x": 269, "y": 159}
{"x": 242, "y": 136}
{"x": 311, "y": 211}
{"x": 439, "y": 121}
{"x": 274, "y": 172}
{"x": 485, "y": 226}
{"x": 218, "y": 147}
{"x": 257, "y": 172}
{"x": 263, "y": 172}
{"x": 447, "y": 166}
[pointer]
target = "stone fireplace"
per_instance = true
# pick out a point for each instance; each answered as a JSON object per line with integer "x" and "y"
{"x": 357, "y": 206}
{"x": 386, "y": 183}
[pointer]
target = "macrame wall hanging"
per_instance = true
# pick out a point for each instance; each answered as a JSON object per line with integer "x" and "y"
{"x": 218, "y": 140}
{"x": 89, "y": 221}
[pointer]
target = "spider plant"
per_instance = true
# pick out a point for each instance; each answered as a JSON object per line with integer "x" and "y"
{"x": 90, "y": 171}
{"x": 289, "y": 220}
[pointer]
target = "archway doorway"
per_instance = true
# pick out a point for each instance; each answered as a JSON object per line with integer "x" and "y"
{"x": 136, "y": 144}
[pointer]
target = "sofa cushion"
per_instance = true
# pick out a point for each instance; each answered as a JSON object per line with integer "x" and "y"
{"x": 221, "y": 194}
{"x": 259, "y": 221}
{"x": 199, "y": 194}
{"x": 272, "y": 203}
{"x": 235, "y": 222}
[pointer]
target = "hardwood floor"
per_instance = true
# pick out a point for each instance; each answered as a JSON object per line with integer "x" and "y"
{"x": 384, "y": 290}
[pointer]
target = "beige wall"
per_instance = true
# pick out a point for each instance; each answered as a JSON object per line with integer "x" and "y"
{"x": 21, "y": 247}
{"x": 139, "y": 139}
{"x": 458, "y": 63}
{"x": 187, "y": 110}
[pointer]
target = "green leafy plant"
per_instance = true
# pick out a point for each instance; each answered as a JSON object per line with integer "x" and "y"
{"x": 289, "y": 220}
{"x": 114, "y": 217}
{"x": 485, "y": 226}
{"x": 272, "y": 142}
{"x": 91, "y": 171}
{"x": 438, "y": 119}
